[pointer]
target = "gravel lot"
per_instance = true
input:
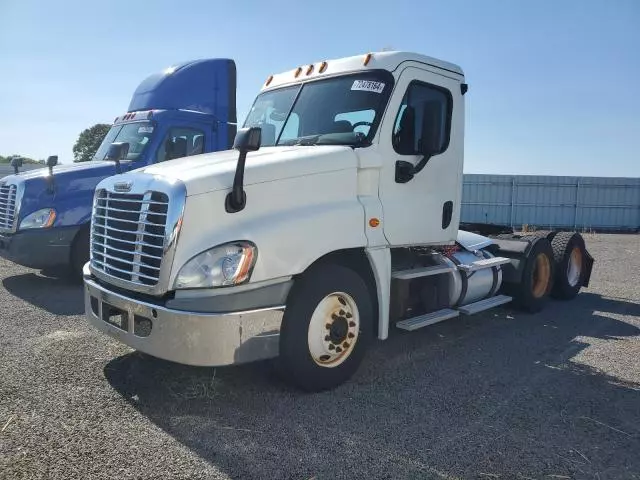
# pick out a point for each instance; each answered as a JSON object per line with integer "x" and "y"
{"x": 500, "y": 395}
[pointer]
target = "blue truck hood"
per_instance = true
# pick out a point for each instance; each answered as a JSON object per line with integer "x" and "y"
{"x": 72, "y": 194}
{"x": 61, "y": 170}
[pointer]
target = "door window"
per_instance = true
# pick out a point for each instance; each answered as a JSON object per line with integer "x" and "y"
{"x": 181, "y": 142}
{"x": 425, "y": 113}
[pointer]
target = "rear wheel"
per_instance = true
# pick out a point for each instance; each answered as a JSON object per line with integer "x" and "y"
{"x": 569, "y": 256}
{"x": 326, "y": 328}
{"x": 532, "y": 293}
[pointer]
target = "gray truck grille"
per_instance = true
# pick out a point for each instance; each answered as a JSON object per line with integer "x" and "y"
{"x": 127, "y": 235}
{"x": 7, "y": 207}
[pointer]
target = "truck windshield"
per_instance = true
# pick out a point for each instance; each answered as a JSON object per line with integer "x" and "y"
{"x": 343, "y": 110}
{"x": 137, "y": 135}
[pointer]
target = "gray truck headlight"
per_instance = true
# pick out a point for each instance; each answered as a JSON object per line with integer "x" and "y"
{"x": 39, "y": 219}
{"x": 221, "y": 266}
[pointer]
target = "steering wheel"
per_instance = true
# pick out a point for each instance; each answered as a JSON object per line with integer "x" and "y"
{"x": 362, "y": 124}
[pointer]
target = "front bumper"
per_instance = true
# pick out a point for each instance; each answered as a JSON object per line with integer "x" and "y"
{"x": 187, "y": 337}
{"x": 39, "y": 248}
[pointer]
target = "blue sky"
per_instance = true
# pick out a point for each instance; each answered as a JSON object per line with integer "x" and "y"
{"x": 553, "y": 84}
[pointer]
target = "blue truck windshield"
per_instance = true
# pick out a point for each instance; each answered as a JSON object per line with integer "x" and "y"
{"x": 137, "y": 135}
{"x": 341, "y": 110}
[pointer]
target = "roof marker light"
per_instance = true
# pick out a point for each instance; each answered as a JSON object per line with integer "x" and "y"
{"x": 367, "y": 59}
{"x": 268, "y": 80}
{"x": 310, "y": 69}
{"x": 298, "y": 72}
{"x": 323, "y": 67}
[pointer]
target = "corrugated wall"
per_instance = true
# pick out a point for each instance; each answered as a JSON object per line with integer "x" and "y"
{"x": 546, "y": 201}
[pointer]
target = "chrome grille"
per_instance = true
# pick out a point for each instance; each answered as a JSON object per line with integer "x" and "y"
{"x": 8, "y": 202}
{"x": 128, "y": 235}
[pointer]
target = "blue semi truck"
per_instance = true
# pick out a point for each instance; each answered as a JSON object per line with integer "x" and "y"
{"x": 184, "y": 110}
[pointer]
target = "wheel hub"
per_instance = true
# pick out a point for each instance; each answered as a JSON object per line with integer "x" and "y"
{"x": 574, "y": 268}
{"x": 541, "y": 276}
{"x": 333, "y": 329}
{"x": 338, "y": 330}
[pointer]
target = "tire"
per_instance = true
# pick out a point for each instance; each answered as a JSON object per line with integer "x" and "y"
{"x": 532, "y": 293}
{"x": 330, "y": 296}
{"x": 79, "y": 253}
{"x": 569, "y": 253}
{"x": 548, "y": 234}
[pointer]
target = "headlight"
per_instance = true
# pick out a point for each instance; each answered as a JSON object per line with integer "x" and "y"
{"x": 224, "y": 265}
{"x": 39, "y": 219}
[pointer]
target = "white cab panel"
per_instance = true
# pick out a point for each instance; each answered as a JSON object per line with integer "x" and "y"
{"x": 292, "y": 221}
{"x": 413, "y": 211}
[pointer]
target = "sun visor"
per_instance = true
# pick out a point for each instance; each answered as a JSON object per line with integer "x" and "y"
{"x": 207, "y": 86}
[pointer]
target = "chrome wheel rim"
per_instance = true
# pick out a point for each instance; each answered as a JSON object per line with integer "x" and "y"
{"x": 333, "y": 329}
{"x": 574, "y": 268}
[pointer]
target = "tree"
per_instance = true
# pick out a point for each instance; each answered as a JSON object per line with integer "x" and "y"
{"x": 89, "y": 141}
{"x": 5, "y": 160}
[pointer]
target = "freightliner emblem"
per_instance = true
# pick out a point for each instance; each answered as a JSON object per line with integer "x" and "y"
{"x": 123, "y": 186}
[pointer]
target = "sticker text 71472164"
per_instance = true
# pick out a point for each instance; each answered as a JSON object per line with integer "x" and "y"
{"x": 368, "y": 86}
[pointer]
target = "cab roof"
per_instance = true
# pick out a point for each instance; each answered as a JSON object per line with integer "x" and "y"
{"x": 376, "y": 60}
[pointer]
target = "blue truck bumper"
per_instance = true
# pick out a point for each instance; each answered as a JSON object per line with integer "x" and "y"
{"x": 39, "y": 248}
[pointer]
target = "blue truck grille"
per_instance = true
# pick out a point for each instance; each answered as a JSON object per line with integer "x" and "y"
{"x": 7, "y": 207}
{"x": 128, "y": 234}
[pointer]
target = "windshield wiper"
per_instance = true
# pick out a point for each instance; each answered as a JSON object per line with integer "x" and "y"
{"x": 326, "y": 139}
{"x": 302, "y": 141}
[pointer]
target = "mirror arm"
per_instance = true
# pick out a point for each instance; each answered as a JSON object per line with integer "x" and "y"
{"x": 237, "y": 198}
{"x": 421, "y": 164}
{"x": 50, "y": 181}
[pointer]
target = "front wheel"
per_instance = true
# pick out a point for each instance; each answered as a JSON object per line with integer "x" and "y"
{"x": 326, "y": 328}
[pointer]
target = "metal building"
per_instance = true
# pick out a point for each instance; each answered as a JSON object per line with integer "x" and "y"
{"x": 577, "y": 203}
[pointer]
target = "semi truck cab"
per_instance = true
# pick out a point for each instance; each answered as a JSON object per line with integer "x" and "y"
{"x": 185, "y": 110}
{"x": 335, "y": 219}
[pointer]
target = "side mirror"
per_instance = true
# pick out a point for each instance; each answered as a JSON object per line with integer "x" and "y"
{"x": 52, "y": 161}
{"x": 16, "y": 163}
{"x": 433, "y": 122}
{"x": 248, "y": 139}
{"x": 117, "y": 151}
{"x": 404, "y": 171}
{"x": 430, "y": 141}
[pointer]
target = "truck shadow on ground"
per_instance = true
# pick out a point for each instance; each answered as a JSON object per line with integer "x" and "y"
{"x": 498, "y": 394}
{"x": 50, "y": 290}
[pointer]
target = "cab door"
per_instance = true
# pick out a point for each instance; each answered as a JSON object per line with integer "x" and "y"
{"x": 425, "y": 113}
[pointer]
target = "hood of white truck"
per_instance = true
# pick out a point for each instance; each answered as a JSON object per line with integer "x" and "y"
{"x": 215, "y": 171}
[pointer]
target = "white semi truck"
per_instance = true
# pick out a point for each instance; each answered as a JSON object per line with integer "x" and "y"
{"x": 335, "y": 218}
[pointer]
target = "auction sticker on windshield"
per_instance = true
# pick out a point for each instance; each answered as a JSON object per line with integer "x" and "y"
{"x": 145, "y": 129}
{"x": 368, "y": 86}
